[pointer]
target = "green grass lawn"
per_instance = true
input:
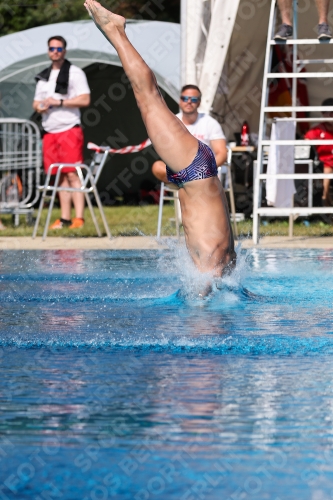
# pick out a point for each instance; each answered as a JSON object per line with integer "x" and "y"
{"x": 142, "y": 220}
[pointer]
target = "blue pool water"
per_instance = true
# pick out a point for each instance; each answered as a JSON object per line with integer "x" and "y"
{"x": 117, "y": 383}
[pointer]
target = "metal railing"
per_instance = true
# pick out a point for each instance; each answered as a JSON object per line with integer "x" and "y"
{"x": 20, "y": 162}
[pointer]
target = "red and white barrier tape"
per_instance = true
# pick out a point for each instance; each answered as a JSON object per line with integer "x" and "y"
{"x": 122, "y": 151}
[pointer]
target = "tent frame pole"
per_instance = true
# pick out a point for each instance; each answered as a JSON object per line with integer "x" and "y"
{"x": 183, "y": 44}
{"x": 257, "y": 191}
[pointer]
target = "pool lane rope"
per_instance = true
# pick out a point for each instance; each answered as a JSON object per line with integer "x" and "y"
{"x": 122, "y": 151}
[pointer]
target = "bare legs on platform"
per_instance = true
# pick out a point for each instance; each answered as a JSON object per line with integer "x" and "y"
{"x": 285, "y": 7}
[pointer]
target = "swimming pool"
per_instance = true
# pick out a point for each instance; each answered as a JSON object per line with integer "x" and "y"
{"x": 115, "y": 382}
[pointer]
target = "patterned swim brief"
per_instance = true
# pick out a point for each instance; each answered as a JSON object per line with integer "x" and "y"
{"x": 202, "y": 167}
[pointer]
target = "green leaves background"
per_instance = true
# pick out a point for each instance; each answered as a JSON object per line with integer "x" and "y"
{"x": 20, "y": 15}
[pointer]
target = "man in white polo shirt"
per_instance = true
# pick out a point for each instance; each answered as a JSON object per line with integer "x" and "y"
{"x": 204, "y": 128}
{"x": 61, "y": 90}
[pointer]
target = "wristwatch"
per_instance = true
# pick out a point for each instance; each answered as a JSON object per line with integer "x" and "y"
{"x": 61, "y": 103}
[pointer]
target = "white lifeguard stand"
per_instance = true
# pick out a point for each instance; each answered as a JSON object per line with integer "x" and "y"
{"x": 298, "y": 65}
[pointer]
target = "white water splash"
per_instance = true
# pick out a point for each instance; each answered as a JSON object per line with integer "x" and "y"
{"x": 192, "y": 281}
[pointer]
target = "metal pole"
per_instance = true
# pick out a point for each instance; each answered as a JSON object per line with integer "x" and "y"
{"x": 295, "y": 69}
{"x": 262, "y": 125}
{"x": 175, "y": 202}
{"x": 160, "y": 211}
{"x": 183, "y": 45}
{"x": 294, "y": 97}
{"x": 310, "y": 185}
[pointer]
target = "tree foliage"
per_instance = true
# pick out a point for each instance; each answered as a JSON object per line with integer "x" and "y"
{"x": 18, "y": 16}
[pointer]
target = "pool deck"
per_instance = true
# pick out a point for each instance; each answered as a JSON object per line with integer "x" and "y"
{"x": 146, "y": 243}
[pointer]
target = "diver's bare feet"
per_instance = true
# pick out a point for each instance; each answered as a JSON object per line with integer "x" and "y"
{"x": 108, "y": 23}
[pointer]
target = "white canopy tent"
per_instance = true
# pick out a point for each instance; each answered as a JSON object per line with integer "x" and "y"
{"x": 24, "y": 54}
{"x": 205, "y": 67}
{"x": 223, "y": 49}
{"x": 113, "y": 117}
{"x": 223, "y": 53}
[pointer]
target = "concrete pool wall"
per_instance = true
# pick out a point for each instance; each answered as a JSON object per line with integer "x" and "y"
{"x": 147, "y": 243}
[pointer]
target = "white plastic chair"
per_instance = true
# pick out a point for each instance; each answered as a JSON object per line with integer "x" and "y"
{"x": 173, "y": 196}
{"x": 224, "y": 173}
{"x": 88, "y": 175}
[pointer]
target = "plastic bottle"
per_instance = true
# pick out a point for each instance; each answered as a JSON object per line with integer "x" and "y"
{"x": 245, "y": 135}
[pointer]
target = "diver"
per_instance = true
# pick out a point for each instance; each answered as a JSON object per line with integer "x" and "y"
{"x": 190, "y": 163}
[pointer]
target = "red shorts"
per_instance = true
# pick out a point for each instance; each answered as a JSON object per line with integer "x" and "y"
{"x": 63, "y": 147}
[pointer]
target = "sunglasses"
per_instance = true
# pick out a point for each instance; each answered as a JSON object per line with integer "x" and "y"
{"x": 186, "y": 98}
{"x": 58, "y": 49}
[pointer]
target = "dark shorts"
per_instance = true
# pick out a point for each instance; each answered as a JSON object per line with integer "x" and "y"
{"x": 202, "y": 167}
{"x": 63, "y": 147}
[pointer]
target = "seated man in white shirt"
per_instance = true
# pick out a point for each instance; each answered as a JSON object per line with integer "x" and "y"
{"x": 203, "y": 127}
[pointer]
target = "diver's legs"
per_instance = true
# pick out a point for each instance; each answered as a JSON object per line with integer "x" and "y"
{"x": 172, "y": 141}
